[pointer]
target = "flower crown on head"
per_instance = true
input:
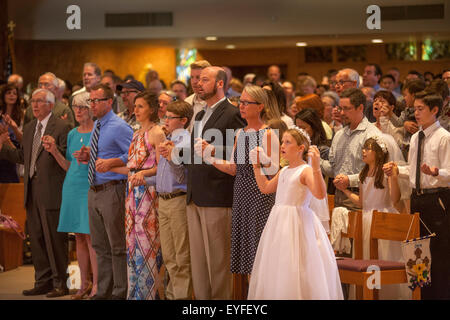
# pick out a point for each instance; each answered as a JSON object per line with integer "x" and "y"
{"x": 381, "y": 143}
{"x": 303, "y": 133}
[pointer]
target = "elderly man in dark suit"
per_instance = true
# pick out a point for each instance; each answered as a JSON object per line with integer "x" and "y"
{"x": 210, "y": 191}
{"x": 43, "y": 180}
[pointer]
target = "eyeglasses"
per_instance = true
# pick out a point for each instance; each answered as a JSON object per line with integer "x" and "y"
{"x": 340, "y": 82}
{"x": 38, "y": 101}
{"x": 95, "y": 101}
{"x": 345, "y": 109}
{"x": 246, "y": 103}
{"x": 170, "y": 118}
{"x": 125, "y": 93}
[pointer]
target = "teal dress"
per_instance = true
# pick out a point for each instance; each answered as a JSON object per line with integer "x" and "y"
{"x": 74, "y": 215}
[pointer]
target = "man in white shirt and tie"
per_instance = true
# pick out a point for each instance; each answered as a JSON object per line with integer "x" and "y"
{"x": 429, "y": 176}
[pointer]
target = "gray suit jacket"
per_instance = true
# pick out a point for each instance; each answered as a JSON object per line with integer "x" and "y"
{"x": 50, "y": 176}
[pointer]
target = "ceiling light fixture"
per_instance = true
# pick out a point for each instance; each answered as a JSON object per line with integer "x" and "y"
{"x": 377, "y": 40}
{"x": 230, "y": 46}
{"x": 301, "y": 44}
{"x": 211, "y": 38}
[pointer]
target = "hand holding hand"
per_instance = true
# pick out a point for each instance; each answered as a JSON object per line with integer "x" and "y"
{"x": 82, "y": 155}
{"x": 341, "y": 181}
{"x": 390, "y": 169}
{"x": 204, "y": 149}
{"x": 137, "y": 179}
{"x": 49, "y": 144}
{"x": 103, "y": 165}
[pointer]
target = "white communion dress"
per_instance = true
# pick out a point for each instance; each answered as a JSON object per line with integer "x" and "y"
{"x": 294, "y": 259}
{"x": 380, "y": 200}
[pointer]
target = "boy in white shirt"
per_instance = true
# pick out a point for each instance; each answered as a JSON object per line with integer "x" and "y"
{"x": 429, "y": 175}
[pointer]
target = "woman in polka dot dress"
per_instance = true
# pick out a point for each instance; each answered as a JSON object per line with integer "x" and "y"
{"x": 251, "y": 208}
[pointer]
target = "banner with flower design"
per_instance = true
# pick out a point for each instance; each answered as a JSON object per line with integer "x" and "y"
{"x": 417, "y": 255}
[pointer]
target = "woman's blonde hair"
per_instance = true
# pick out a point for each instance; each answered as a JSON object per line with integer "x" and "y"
{"x": 260, "y": 95}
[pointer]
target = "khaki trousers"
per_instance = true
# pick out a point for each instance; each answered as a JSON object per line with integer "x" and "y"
{"x": 210, "y": 245}
{"x": 173, "y": 231}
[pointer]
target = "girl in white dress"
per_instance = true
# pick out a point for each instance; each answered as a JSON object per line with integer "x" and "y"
{"x": 294, "y": 259}
{"x": 378, "y": 192}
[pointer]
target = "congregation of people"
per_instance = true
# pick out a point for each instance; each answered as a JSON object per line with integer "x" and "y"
{"x": 172, "y": 190}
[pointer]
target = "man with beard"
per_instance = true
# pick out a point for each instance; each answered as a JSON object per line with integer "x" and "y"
{"x": 194, "y": 100}
{"x": 345, "y": 160}
{"x": 210, "y": 191}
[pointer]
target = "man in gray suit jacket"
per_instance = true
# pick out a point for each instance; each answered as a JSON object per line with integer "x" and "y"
{"x": 43, "y": 180}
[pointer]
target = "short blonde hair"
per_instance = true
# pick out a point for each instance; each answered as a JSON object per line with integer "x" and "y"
{"x": 201, "y": 64}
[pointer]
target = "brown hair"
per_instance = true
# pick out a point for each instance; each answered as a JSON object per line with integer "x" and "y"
{"x": 301, "y": 140}
{"x": 181, "y": 109}
{"x": 356, "y": 97}
{"x": 107, "y": 91}
{"x": 17, "y": 112}
{"x": 152, "y": 101}
{"x": 431, "y": 100}
{"x": 380, "y": 159}
{"x": 386, "y": 95}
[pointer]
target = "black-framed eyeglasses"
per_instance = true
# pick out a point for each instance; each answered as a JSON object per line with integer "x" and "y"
{"x": 246, "y": 103}
{"x": 95, "y": 101}
{"x": 170, "y": 118}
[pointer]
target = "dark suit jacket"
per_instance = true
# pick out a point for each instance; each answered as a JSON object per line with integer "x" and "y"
{"x": 49, "y": 174}
{"x": 207, "y": 186}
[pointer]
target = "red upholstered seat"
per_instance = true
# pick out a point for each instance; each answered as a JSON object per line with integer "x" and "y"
{"x": 362, "y": 265}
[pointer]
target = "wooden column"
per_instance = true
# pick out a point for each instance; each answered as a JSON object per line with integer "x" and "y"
{"x": 3, "y": 36}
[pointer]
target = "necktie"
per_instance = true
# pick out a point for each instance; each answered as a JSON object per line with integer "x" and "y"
{"x": 93, "y": 154}
{"x": 419, "y": 158}
{"x": 35, "y": 148}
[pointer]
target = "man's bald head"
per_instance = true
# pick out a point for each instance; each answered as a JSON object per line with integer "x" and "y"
{"x": 17, "y": 80}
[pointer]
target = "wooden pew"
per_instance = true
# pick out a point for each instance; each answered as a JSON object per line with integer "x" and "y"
{"x": 11, "y": 245}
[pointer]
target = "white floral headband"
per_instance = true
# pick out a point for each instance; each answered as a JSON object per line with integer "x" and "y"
{"x": 303, "y": 133}
{"x": 381, "y": 143}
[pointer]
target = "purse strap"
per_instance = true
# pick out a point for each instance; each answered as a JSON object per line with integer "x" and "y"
{"x": 430, "y": 234}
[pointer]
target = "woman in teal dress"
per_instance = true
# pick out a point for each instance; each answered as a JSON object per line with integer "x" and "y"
{"x": 74, "y": 215}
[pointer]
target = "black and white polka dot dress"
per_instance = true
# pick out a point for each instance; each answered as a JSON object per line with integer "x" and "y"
{"x": 251, "y": 208}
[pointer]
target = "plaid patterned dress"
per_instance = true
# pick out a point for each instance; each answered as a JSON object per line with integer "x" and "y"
{"x": 144, "y": 258}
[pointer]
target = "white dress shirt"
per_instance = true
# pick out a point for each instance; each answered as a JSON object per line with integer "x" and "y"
{"x": 197, "y": 105}
{"x": 44, "y": 123}
{"x": 436, "y": 153}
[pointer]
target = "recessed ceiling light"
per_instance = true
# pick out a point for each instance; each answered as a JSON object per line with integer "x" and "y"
{"x": 230, "y": 46}
{"x": 211, "y": 38}
{"x": 377, "y": 40}
{"x": 301, "y": 44}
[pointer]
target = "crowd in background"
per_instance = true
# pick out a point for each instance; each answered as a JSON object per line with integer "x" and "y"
{"x": 155, "y": 212}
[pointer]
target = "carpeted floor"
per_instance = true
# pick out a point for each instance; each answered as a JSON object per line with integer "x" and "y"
{"x": 13, "y": 282}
